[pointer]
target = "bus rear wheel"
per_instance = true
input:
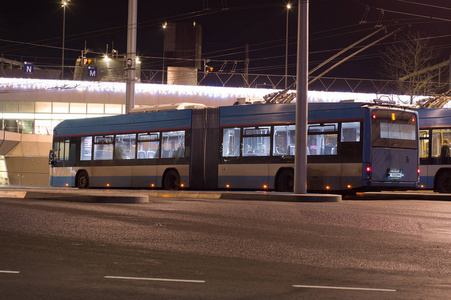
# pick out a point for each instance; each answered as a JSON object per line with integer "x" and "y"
{"x": 285, "y": 181}
{"x": 83, "y": 180}
{"x": 171, "y": 180}
{"x": 444, "y": 182}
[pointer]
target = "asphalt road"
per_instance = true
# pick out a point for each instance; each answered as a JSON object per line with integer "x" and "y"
{"x": 216, "y": 249}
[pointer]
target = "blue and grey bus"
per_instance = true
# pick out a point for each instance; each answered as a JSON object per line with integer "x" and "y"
{"x": 351, "y": 146}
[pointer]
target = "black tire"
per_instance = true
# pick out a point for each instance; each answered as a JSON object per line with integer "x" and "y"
{"x": 83, "y": 180}
{"x": 444, "y": 182}
{"x": 285, "y": 181}
{"x": 171, "y": 180}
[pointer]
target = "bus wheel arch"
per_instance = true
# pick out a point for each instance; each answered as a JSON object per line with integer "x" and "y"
{"x": 82, "y": 179}
{"x": 442, "y": 181}
{"x": 284, "y": 180}
{"x": 171, "y": 179}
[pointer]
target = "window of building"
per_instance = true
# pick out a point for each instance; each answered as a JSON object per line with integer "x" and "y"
{"x": 149, "y": 145}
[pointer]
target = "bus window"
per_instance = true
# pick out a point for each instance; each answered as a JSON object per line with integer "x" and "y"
{"x": 125, "y": 146}
{"x": 424, "y": 144}
{"x": 284, "y": 140}
{"x": 256, "y": 141}
{"x": 86, "y": 148}
{"x": 173, "y": 144}
{"x": 350, "y": 132}
{"x": 149, "y": 145}
{"x": 320, "y": 141}
{"x": 103, "y": 147}
{"x": 438, "y": 140}
{"x": 231, "y": 142}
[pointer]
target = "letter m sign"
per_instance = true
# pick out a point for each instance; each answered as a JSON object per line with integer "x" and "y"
{"x": 92, "y": 71}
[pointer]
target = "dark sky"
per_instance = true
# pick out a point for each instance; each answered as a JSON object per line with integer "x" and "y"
{"x": 32, "y": 30}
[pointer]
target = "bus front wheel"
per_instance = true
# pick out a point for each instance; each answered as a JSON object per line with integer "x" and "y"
{"x": 285, "y": 181}
{"x": 171, "y": 180}
{"x": 83, "y": 180}
{"x": 444, "y": 182}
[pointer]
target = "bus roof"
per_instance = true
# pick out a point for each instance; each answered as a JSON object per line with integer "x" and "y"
{"x": 163, "y": 120}
{"x": 434, "y": 117}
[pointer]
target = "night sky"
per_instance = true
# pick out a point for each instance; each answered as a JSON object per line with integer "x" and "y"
{"x": 32, "y": 30}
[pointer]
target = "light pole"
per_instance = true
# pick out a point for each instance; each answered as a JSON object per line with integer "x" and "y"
{"x": 286, "y": 47}
{"x": 165, "y": 26}
{"x": 64, "y": 3}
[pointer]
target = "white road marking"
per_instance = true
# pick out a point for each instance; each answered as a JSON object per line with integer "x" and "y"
{"x": 9, "y": 272}
{"x": 342, "y": 288}
{"x": 155, "y": 279}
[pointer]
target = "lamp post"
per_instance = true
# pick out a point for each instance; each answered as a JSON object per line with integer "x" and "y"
{"x": 286, "y": 47}
{"x": 64, "y": 3}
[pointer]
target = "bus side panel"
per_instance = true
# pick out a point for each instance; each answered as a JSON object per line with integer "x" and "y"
{"x": 351, "y": 175}
{"x": 394, "y": 165}
{"x": 243, "y": 176}
{"x": 62, "y": 176}
{"x": 145, "y": 176}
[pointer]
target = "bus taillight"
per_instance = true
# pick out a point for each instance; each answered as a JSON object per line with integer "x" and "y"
{"x": 368, "y": 171}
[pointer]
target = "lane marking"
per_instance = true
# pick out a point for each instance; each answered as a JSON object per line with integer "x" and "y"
{"x": 155, "y": 279}
{"x": 342, "y": 288}
{"x": 9, "y": 272}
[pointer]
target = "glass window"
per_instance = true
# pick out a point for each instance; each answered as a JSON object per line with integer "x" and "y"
{"x": 424, "y": 143}
{"x": 394, "y": 129}
{"x": 60, "y": 107}
{"x": 149, "y": 145}
{"x": 326, "y": 127}
{"x": 256, "y": 141}
{"x": 125, "y": 146}
{"x": 231, "y": 142}
{"x": 441, "y": 139}
{"x": 103, "y": 147}
{"x": 173, "y": 144}
{"x": 95, "y": 108}
{"x": 322, "y": 144}
{"x": 350, "y": 132}
{"x": 113, "y": 108}
{"x": 86, "y": 148}
{"x": 26, "y": 107}
{"x": 11, "y": 107}
{"x": 78, "y": 108}
{"x": 284, "y": 140}
{"x": 43, "y": 107}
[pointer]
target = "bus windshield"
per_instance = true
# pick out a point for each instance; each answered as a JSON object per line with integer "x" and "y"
{"x": 394, "y": 129}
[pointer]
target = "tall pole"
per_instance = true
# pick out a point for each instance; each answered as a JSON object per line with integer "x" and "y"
{"x": 131, "y": 55}
{"x": 286, "y": 47}
{"x": 300, "y": 160}
{"x": 63, "y": 4}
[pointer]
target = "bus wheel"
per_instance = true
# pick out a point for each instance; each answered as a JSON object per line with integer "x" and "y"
{"x": 83, "y": 180}
{"x": 285, "y": 181}
{"x": 171, "y": 180}
{"x": 444, "y": 182}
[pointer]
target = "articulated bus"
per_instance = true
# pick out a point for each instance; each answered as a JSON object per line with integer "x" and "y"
{"x": 435, "y": 139}
{"x": 351, "y": 147}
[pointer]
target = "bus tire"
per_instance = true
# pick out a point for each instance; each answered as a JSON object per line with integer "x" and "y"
{"x": 83, "y": 180}
{"x": 444, "y": 182}
{"x": 285, "y": 180}
{"x": 171, "y": 180}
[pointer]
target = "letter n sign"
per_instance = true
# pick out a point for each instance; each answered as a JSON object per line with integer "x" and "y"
{"x": 28, "y": 67}
{"x": 92, "y": 71}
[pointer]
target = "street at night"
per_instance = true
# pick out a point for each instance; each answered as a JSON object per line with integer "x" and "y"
{"x": 223, "y": 249}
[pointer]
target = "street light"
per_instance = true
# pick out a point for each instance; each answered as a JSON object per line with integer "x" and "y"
{"x": 64, "y": 3}
{"x": 286, "y": 47}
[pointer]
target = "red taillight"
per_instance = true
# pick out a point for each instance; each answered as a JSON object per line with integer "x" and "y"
{"x": 374, "y": 116}
{"x": 368, "y": 169}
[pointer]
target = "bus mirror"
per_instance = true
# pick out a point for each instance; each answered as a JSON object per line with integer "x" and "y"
{"x": 51, "y": 157}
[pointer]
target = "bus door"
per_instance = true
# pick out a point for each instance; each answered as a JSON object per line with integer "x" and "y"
{"x": 394, "y": 149}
